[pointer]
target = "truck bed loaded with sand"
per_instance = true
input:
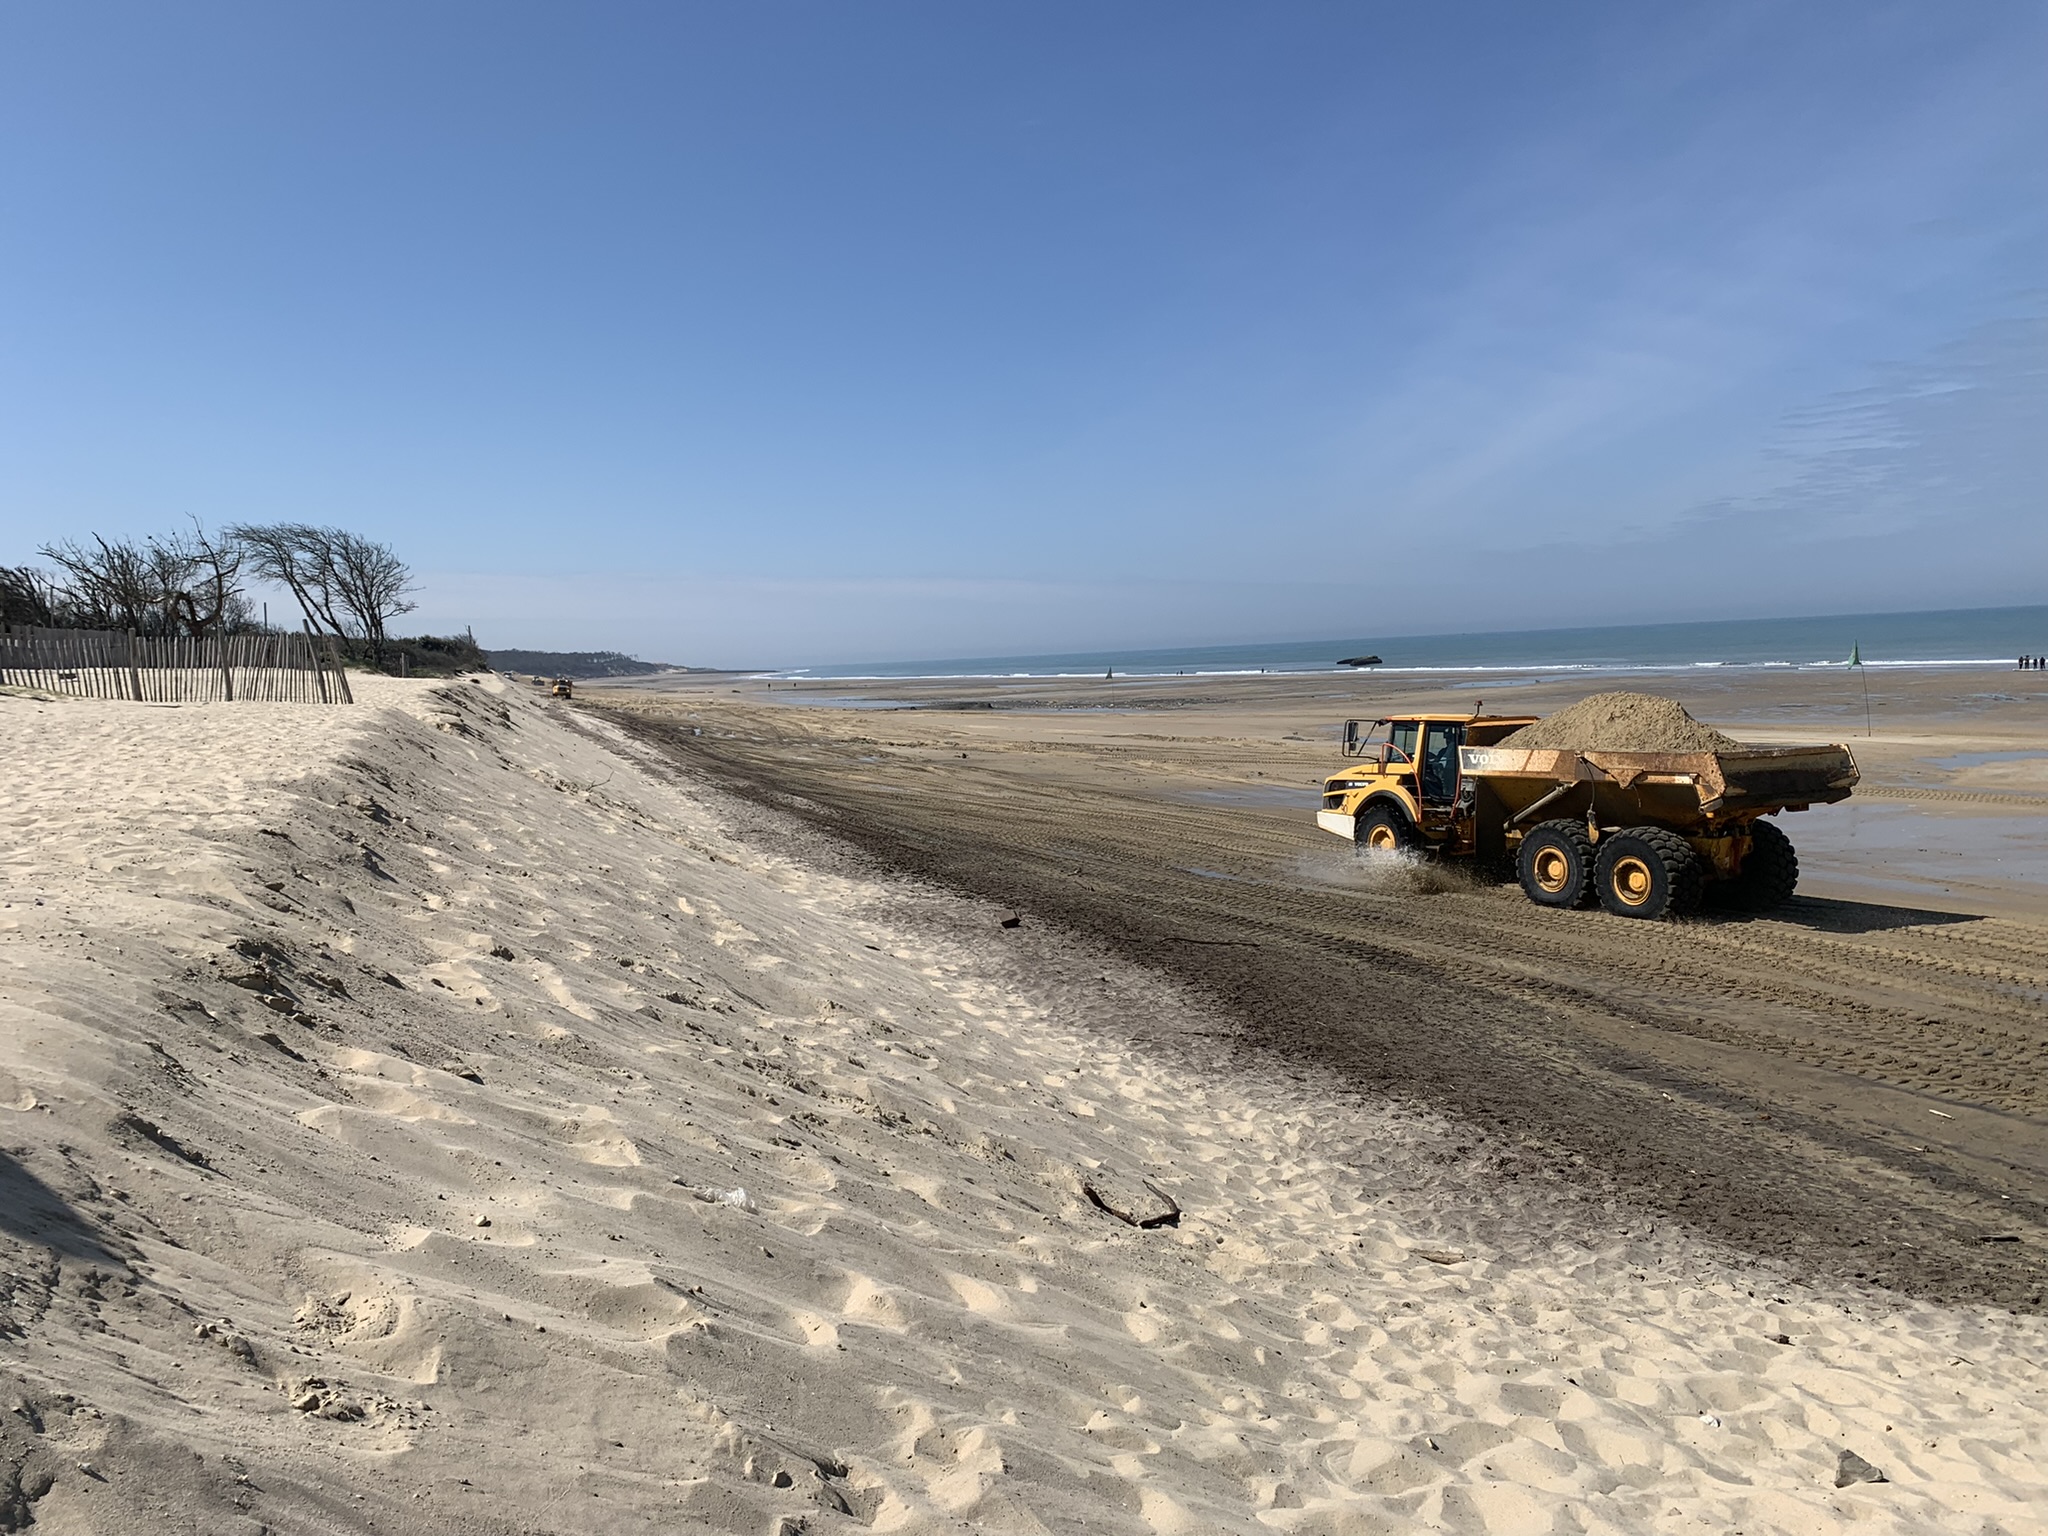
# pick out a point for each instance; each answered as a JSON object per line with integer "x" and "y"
{"x": 1623, "y": 798}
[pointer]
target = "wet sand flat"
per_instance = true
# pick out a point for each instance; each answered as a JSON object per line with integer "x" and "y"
{"x": 1855, "y": 1082}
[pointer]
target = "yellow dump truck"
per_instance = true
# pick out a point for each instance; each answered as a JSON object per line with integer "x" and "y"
{"x": 1646, "y": 834}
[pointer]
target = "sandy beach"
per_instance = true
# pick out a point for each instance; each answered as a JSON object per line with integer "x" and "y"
{"x": 771, "y": 1109}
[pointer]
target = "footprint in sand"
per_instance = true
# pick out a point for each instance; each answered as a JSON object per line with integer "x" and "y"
{"x": 594, "y": 1136}
{"x": 869, "y": 1302}
{"x": 978, "y": 1297}
{"x": 385, "y": 1331}
{"x": 818, "y": 1333}
{"x": 551, "y": 983}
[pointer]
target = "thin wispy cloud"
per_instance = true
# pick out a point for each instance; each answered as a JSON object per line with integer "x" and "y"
{"x": 1952, "y": 446}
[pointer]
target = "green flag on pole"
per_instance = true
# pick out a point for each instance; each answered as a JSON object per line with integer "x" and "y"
{"x": 1855, "y": 654}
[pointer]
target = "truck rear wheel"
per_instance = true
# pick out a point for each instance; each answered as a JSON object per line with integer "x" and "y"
{"x": 1769, "y": 873}
{"x": 1649, "y": 872}
{"x": 1382, "y": 829}
{"x": 1556, "y": 864}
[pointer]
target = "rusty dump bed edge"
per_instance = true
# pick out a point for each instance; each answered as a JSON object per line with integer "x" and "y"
{"x": 1745, "y": 778}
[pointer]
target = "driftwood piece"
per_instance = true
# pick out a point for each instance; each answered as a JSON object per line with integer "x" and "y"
{"x": 1131, "y": 1199}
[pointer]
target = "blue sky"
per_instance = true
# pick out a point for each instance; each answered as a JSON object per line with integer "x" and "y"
{"x": 785, "y": 333}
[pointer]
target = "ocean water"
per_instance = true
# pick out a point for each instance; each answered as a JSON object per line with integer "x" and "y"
{"x": 1959, "y": 637}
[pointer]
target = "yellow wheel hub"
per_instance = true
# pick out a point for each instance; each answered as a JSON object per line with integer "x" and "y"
{"x": 1632, "y": 880}
{"x": 1553, "y": 870}
{"x": 1381, "y": 837}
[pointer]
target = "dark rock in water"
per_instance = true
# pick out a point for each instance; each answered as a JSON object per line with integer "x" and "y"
{"x": 1137, "y": 1201}
{"x": 1359, "y": 661}
{"x": 1852, "y": 1468}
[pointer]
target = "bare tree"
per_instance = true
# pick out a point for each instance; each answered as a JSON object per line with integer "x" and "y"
{"x": 294, "y": 556}
{"x": 372, "y": 584}
{"x": 27, "y": 596}
{"x": 117, "y": 585}
{"x": 207, "y": 586}
{"x": 189, "y": 580}
{"x": 346, "y": 585}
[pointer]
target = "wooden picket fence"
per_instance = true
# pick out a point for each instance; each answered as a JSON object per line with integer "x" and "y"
{"x": 174, "y": 669}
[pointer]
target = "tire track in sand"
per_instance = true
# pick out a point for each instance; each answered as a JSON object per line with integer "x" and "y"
{"x": 1854, "y": 1088}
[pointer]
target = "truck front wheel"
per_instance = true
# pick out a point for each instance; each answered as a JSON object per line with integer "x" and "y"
{"x": 1649, "y": 872}
{"x": 1383, "y": 829}
{"x": 1556, "y": 864}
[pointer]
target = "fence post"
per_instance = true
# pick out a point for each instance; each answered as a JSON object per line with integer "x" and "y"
{"x": 313, "y": 655}
{"x": 340, "y": 676}
{"x": 134, "y": 676}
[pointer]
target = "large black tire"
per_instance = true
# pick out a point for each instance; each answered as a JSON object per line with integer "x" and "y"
{"x": 1555, "y": 864}
{"x": 1383, "y": 828}
{"x": 1649, "y": 872}
{"x": 1769, "y": 873}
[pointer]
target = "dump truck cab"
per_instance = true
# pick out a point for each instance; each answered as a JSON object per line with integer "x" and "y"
{"x": 1405, "y": 788}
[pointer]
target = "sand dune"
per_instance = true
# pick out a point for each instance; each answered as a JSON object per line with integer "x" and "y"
{"x": 435, "y": 1116}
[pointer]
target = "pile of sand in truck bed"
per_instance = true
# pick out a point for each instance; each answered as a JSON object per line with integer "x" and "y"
{"x": 1622, "y": 722}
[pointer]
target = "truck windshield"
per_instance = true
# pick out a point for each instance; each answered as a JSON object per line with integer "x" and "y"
{"x": 1403, "y": 738}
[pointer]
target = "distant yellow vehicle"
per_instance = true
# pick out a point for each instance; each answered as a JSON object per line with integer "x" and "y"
{"x": 563, "y": 688}
{"x": 1646, "y": 834}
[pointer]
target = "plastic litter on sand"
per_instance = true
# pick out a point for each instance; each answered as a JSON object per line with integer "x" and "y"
{"x": 737, "y": 1198}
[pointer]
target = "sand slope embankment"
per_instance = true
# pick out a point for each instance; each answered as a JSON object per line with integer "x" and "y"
{"x": 378, "y": 1089}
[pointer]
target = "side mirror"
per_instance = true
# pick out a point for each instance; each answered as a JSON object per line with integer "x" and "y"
{"x": 1358, "y": 740}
